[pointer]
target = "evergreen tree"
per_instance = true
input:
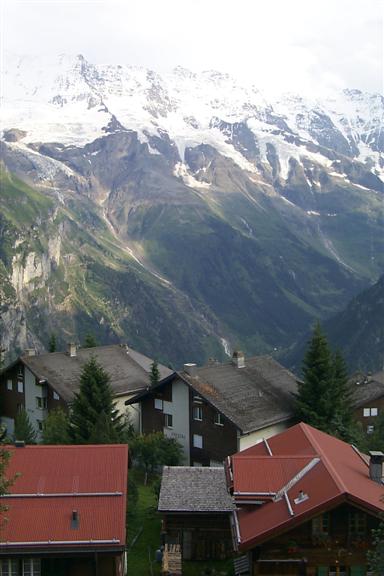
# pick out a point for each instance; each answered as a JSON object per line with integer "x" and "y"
{"x": 312, "y": 398}
{"x": 24, "y": 429}
{"x": 56, "y": 428}
{"x": 154, "y": 376}
{"x": 52, "y": 346}
{"x": 90, "y": 341}
{"x": 323, "y": 398}
{"x": 93, "y": 414}
{"x": 339, "y": 402}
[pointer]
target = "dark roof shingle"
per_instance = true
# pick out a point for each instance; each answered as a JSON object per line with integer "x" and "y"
{"x": 188, "y": 489}
{"x": 258, "y": 395}
{"x": 128, "y": 369}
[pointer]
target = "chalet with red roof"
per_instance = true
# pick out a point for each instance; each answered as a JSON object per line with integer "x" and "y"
{"x": 306, "y": 503}
{"x": 66, "y": 511}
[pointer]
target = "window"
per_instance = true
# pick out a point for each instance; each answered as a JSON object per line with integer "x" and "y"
{"x": 370, "y": 429}
{"x": 218, "y": 419}
{"x": 197, "y": 441}
{"x": 20, "y": 371}
{"x": 20, "y": 386}
{"x": 197, "y": 413}
{"x": 32, "y": 567}
{"x": 9, "y": 568}
{"x": 9, "y": 385}
{"x": 41, "y": 403}
{"x": 320, "y": 525}
{"x": 39, "y": 425}
{"x": 357, "y": 523}
{"x": 197, "y": 399}
{"x": 168, "y": 420}
{"x": 158, "y": 404}
{"x": 56, "y": 396}
{"x": 370, "y": 412}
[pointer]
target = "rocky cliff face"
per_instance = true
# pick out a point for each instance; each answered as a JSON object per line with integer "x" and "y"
{"x": 183, "y": 212}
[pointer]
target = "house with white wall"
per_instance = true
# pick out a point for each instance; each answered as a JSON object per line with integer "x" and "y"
{"x": 219, "y": 409}
{"x": 40, "y": 383}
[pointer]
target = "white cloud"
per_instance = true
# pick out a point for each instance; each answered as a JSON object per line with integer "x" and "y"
{"x": 295, "y": 44}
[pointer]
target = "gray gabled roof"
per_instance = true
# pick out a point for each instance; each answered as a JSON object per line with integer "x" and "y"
{"x": 366, "y": 388}
{"x": 128, "y": 369}
{"x": 188, "y": 489}
{"x": 253, "y": 397}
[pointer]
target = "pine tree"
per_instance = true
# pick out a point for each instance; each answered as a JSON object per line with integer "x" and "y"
{"x": 312, "y": 398}
{"x": 323, "y": 398}
{"x": 339, "y": 402}
{"x": 93, "y": 416}
{"x": 52, "y": 346}
{"x": 56, "y": 428}
{"x": 24, "y": 429}
{"x": 90, "y": 341}
{"x": 154, "y": 376}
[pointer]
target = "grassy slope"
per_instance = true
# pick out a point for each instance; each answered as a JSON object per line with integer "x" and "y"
{"x": 147, "y": 522}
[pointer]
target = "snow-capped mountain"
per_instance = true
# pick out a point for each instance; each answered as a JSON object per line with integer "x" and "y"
{"x": 185, "y": 212}
{"x": 71, "y": 101}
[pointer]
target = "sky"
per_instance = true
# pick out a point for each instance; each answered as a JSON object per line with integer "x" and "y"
{"x": 299, "y": 45}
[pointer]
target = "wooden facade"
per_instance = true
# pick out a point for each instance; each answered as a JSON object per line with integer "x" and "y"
{"x": 64, "y": 563}
{"x": 201, "y": 536}
{"x": 219, "y": 439}
{"x": 332, "y": 544}
{"x": 368, "y": 413}
{"x": 13, "y": 392}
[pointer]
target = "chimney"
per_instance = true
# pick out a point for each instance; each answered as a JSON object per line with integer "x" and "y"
{"x": 376, "y": 466}
{"x": 72, "y": 350}
{"x": 29, "y": 352}
{"x": 238, "y": 359}
{"x": 190, "y": 369}
{"x": 74, "y": 520}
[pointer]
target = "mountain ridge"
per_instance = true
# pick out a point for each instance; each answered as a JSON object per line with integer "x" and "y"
{"x": 261, "y": 219}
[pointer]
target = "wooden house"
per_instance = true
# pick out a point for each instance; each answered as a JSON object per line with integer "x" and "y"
{"x": 306, "y": 503}
{"x": 218, "y": 409}
{"x": 40, "y": 383}
{"x": 195, "y": 507}
{"x": 66, "y": 511}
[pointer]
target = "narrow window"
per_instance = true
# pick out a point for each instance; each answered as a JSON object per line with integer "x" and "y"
{"x": 366, "y": 412}
{"x": 56, "y": 396}
{"x": 9, "y": 385}
{"x": 158, "y": 404}
{"x": 197, "y": 441}
{"x": 357, "y": 523}
{"x": 168, "y": 420}
{"x": 20, "y": 386}
{"x": 219, "y": 419}
{"x": 373, "y": 411}
{"x": 197, "y": 413}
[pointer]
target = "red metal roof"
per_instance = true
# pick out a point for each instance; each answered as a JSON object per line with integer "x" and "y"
{"x": 326, "y": 470}
{"x": 54, "y": 482}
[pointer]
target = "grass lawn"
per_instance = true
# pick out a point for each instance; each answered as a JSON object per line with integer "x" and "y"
{"x": 141, "y": 554}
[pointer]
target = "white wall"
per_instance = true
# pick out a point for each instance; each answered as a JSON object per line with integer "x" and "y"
{"x": 255, "y": 437}
{"x": 133, "y": 411}
{"x": 31, "y": 391}
{"x": 179, "y": 408}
